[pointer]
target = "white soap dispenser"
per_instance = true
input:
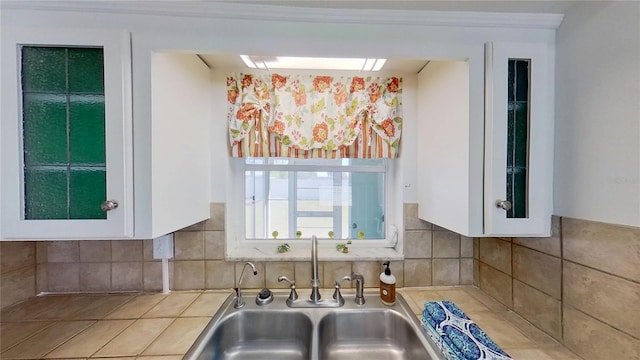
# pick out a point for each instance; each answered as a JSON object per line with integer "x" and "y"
{"x": 387, "y": 286}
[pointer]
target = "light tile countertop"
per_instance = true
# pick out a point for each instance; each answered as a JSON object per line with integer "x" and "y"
{"x": 164, "y": 326}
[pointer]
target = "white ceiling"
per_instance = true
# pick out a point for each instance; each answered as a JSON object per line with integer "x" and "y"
{"x": 232, "y": 61}
{"x": 522, "y": 6}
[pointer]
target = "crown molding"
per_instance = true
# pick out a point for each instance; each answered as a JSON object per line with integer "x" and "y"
{"x": 239, "y": 11}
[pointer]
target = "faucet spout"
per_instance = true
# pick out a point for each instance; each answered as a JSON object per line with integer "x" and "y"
{"x": 315, "y": 292}
{"x": 314, "y": 300}
{"x": 239, "y": 302}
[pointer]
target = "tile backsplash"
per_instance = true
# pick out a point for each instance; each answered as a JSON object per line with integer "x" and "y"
{"x": 433, "y": 256}
{"x": 17, "y": 271}
{"x": 571, "y": 285}
{"x": 581, "y": 285}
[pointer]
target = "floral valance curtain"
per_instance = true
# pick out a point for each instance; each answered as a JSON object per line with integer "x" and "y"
{"x": 306, "y": 116}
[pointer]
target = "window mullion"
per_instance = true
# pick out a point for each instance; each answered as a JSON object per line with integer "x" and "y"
{"x": 293, "y": 203}
{"x": 265, "y": 204}
{"x": 337, "y": 205}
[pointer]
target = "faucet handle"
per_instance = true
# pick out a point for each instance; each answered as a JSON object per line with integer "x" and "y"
{"x": 336, "y": 293}
{"x": 293, "y": 296}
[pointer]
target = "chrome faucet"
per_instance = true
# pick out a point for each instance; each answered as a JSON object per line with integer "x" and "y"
{"x": 315, "y": 293}
{"x": 314, "y": 299}
{"x": 239, "y": 302}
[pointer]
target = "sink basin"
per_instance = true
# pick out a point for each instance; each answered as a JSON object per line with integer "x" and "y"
{"x": 260, "y": 335}
{"x": 277, "y": 332}
{"x": 371, "y": 335}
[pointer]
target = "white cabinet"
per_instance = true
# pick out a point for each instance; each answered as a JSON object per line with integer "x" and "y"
{"x": 518, "y": 139}
{"x": 68, "y": 146}
{"x": 480, "y": 150}
{"x": 37, "y": 100}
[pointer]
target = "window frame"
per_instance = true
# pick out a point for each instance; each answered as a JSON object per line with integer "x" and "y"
{"x": 239, "y": 248}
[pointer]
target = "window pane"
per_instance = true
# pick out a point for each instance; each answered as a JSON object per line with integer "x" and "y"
{"x": 367, "y": 211}
{"x": 314, "y": 197}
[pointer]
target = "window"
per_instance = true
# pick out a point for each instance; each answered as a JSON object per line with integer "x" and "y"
{"x": 313, "y": 196}
{"x": 313, "y": 155}
{"x": 330, "y": 198}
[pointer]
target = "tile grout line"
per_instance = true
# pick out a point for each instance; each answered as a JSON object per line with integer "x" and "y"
{"x": 540, "y": 251}
{"x": 141, "y": 317}
{"x": 70, "y": 338}
{"x": 561, "y": 240}
{"x": 134, "y": 320}
{"x": 602, "y": 322}
{"x": 156, "y": 337}
{"x": 602, "y": 271}
{"x": 175, "y": 318}
{"x": 29, "y": 336}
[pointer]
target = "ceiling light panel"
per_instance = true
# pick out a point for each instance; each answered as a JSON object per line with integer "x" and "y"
{"x": 247, "y": 61}
{"x": 379, "y": 64}
{"x": 308, "y": 63}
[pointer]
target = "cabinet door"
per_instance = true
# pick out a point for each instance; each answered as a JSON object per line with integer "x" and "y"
{"x": 518, "y": 139}
{"x": 66, "y": 120}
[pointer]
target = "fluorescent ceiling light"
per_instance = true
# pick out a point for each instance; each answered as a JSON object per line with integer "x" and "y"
{"x": 289, "y": 62}
{"x": 379, "y": 64}
{"x": 368, "y": 64}
{"x": 247, "y": 61}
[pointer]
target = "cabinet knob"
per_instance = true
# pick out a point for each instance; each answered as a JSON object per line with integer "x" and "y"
{"x": 504, "y": 204}
{"x": 108, "y": 205}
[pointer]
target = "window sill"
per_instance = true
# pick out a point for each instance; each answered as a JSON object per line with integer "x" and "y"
{"x": 303, "y": 253}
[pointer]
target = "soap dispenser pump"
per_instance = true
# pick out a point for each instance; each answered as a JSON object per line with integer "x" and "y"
{"x": 387, "y": 286}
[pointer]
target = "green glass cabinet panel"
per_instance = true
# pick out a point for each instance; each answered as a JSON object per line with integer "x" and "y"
{"x": 520, "y": 133}
{"x": 63, "y": 113}
{"x": 521, "y": 85}
{"x": 517, "y": 136}
{"x": 44, "y": 69}
{"x": 86, "y": 129}
{"x": 510, "y": 131}
{"x": 45, "y": 129}
{"x": 86, "y": 70}
{"x": 46, "y": 193}
{"x": 517, "y": 192}
{"x": 517, "y": 131}
{"x": 87, "y": 192}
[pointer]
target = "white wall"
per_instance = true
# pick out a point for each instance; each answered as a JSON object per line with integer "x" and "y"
{"x": 597, "y": 146}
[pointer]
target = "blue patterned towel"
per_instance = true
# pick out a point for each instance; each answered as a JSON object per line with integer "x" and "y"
{"x": 457, "y": 336}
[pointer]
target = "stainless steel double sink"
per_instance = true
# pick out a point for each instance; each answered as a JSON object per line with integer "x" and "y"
{"x": 274, "y": 331}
